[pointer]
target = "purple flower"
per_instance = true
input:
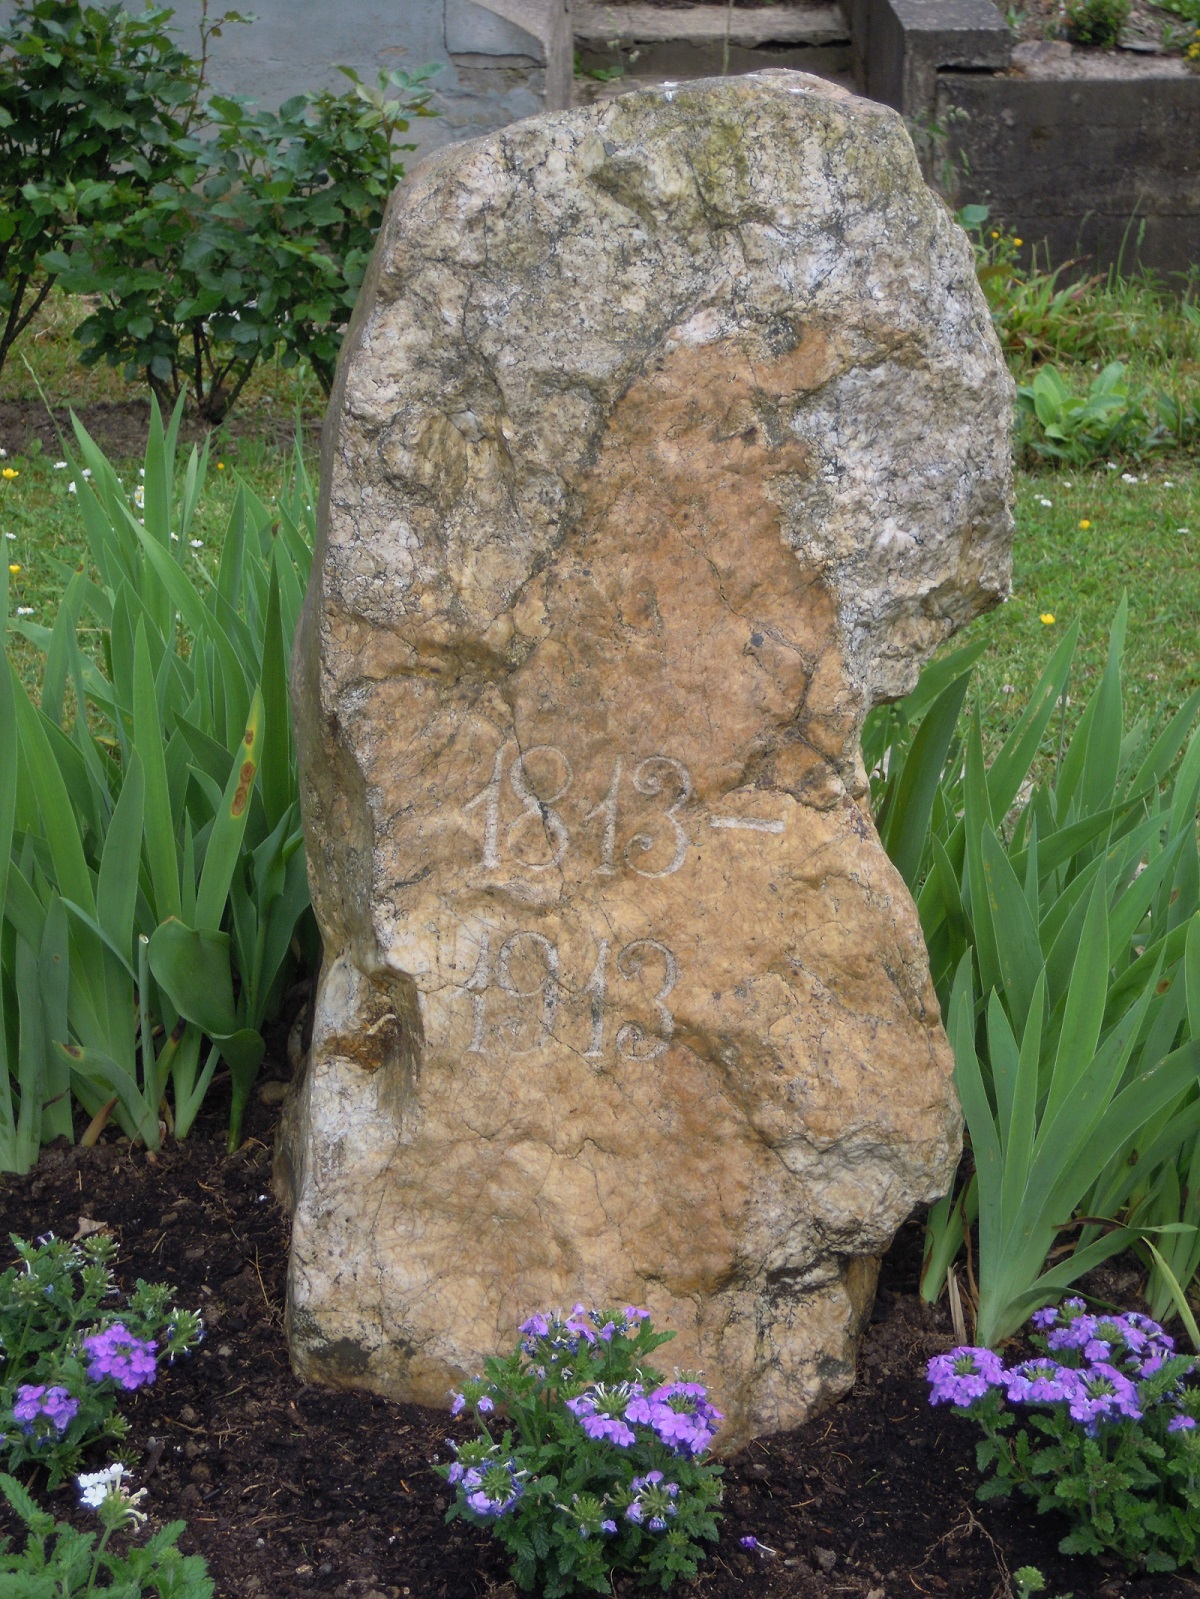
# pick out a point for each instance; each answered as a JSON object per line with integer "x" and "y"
{"x": 963, "y": 1376}
{"x": 485, "y": 1404}
{"x": 117, "y": 1355}
{"x": 608, "y": 1526}
{"x": 493, "y": 1490}
{"x": 634, "y": 1511}
{"x": 1103, "y": 1394}
{"x": 1045, "y": 1318}
{"x": 598, "y": 1413}
{"x": 655, "y": 1498}
{"x": 1181, "y": 1423}
{"x": 537, "y": 1326}
{"x": 631, "y": 1313}
{"x": 681, "y": 1415}
{"x": 458, "y": 1404}
{"x": 1040, "y": 1382}
{"x": 750, "y": 1542}
{"x": 55, "y": 1404}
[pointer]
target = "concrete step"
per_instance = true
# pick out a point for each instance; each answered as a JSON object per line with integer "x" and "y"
{"x": 690, "y": 41}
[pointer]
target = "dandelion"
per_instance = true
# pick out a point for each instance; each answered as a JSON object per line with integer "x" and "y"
{"x": 220, "y": 466}
{"x": 1047, "y": 618}
{"x": 9, "y": 473}
{"x": 1084, "y": 525}
{"x": 13, "y": 567}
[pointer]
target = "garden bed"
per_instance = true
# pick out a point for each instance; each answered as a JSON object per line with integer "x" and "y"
{"x": 293, "y": 1490}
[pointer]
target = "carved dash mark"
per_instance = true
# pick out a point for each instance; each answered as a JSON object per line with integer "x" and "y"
{"x": 745, "y": 824}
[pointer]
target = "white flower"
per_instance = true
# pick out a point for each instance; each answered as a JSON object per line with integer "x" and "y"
{"x": 175, "y": 537}
{"x": 1111, "y": 465}
{"x": 10, "y": 536}
{"x": 95, "y": 1486}
{"x": 1068, "y": 485}
{"x": 139, "y": 497}
{"x": 1167, "y": 484}
{"x": 197, "y": 544}
{"x": 1129, "y": 477}
{"x": 24, "y": 610}
{"x": 87, "y": 471}
{"x": 1007, "y": 688}
{"x": 141, "y": 471}
{"x": 59, "y": 466}
{"x": 71, "y": 489}
{"x": 1046, "y": 503}
{"x": 1183, "y": 530}
{"x": 3, "y": 455}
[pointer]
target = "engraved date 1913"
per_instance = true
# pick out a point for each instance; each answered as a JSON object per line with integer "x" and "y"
{"x": 526, "y": 969}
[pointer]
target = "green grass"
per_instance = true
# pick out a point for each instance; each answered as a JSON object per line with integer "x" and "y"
{"x": 1143, "y": 538}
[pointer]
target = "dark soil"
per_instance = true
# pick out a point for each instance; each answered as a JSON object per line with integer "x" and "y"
{"x": 121, "y": 427}
{"x": 290, "y": 1490}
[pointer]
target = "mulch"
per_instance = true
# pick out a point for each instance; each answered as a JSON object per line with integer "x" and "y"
{"x": 291, "y": 1490}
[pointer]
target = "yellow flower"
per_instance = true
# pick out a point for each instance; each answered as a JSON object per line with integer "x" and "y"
{"x": 220, "y": 466}
{"x": 995, "y": 233}
{"x": 13, "y": 568}
{"x": 1018, "y": 241}
{"x": 1047, "y": 617}
{"x": 1085, "y": 524}
{"x": 9, "y": 473}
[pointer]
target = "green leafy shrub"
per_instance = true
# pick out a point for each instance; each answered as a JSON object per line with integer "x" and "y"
{"x": 91, "y": 101}
{"x": 1112, "y": 1439}
{"x": 1097, "y": 22}
{"x": 600, "y": 1464}
{"x": 1059, "y": 906}
{"x": 76, "y": 1562}
{"x": 152, "y": 871}
{"x": 72, "y": 1349}
{"x": 256, "y": 245}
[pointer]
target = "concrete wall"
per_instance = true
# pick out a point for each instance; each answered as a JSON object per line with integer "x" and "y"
{"x": 1083, "y": 168}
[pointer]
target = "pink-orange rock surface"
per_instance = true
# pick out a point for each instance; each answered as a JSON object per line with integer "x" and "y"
{"x": 669, "y": 436}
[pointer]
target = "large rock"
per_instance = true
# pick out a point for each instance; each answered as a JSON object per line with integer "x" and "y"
{"x": 669, "y": 436}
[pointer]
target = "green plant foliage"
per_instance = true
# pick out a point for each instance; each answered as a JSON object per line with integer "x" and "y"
{"x": 91, "y": 101}
{"x": 77, "y": 1564}
{"x": 256, "y": 246}
{"x": 1079, "y": 428}
{"x": 58, "y": 1295}
{"x": 1097, "y": 22}
{"x": 150, "y": 839}
{"x": 588, "y": 1462}
{"x": 1057, "y": 914}
{"x": 1100, "y": 1427}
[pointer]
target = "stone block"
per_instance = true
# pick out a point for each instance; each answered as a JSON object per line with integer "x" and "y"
{"x": 669, "y": 436}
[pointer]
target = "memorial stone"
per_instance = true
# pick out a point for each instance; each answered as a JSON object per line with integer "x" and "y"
{"x": 669, "y": 436}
